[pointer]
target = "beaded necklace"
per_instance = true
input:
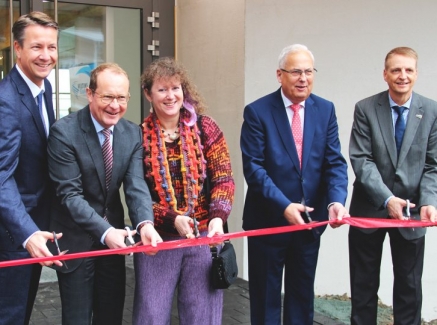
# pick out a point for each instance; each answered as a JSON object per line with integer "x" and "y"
{"x": 193, "y": 164}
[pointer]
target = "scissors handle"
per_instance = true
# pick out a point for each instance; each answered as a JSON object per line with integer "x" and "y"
{"x": 129, "y": 238}
{"x": 407, "y": 211}
{"x": 305, "y": 215}
{"x": 129, "y": 235}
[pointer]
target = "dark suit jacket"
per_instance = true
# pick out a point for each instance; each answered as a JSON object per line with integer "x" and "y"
{"x": 24, "y": 179}
{"x": 77, "y": 170}
{"x": 379, "y": 173}
{"x": 271, "y": 165}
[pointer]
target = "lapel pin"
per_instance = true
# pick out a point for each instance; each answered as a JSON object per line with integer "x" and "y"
{"x": 419, "y": 115}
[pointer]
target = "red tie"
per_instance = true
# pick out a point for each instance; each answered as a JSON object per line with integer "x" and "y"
{"x": 296, "y": 129}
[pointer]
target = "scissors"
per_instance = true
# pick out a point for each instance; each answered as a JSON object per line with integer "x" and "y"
{"x": 129, "y": 237}
{"x": 59, "y": 251}
{"x": 195, "y": 230}
{"x": 305, "y": 215}
{"x": 407, "y": 211}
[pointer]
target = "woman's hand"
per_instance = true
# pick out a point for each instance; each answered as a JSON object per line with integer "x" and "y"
{"x": 184, "y": 225}
{"x": 215, "y": 227}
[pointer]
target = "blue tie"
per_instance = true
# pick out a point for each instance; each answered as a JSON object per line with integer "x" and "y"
{"x": 39, "y": 98}
{"x": 399, "y": 126}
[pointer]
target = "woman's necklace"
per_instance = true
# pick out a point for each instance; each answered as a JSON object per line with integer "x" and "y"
{"x": 172, "y": 136}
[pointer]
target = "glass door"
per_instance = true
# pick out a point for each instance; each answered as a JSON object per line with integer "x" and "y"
{"x": 129, "y": 32}
{"x": 126, "y": 32}
{"x": 90, "y": 35}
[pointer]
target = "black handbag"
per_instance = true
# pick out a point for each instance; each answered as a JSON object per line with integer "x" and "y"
{"x": 224, "y": 269}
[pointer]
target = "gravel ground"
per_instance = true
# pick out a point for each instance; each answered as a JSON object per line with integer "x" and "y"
{"x": 339, "y": 307}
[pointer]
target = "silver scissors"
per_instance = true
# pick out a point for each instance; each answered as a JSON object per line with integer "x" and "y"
{"x": 407, "y": 211}
{"x": 129, "y": 237}
{"x": 59, "y": 251}
{"x": 195, "y": 230}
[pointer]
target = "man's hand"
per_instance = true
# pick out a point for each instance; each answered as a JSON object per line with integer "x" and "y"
{"x": 428, "y": 213}
{"x": 149, "y": 236}
{"x": 292, "y": 213}
{"x": 395, "y": 207}
{"x": 336, "y": 213}
{"x": 37, "y": 246}
{"x": 115, "y": 238}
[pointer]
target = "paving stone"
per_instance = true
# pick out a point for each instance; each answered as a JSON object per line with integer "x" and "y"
{"x": 47, "y": 308}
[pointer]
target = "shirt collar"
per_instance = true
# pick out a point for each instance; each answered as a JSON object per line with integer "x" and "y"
{"x": 98, "y": 127}
{"x": 407, "y": 104}
{"x": 287, "y": 102}
{"x": 34, "y": 89}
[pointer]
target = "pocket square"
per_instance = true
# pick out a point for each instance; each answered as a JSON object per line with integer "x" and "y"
{"x": 419, "y": 116}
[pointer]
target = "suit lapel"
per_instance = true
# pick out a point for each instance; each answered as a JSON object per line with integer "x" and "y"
{"x": 284, "y": 129}
{"x": 92, "y": 141}
{"x": 29, "y": 102}
{"x": 385, "y": 120}
{"x": 118, "y": 147}
{"x": 309, "y": 129}
{"x": 413, "y": 123}
{"x": 49, "y": 102}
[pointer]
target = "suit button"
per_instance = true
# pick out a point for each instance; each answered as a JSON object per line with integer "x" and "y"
{"x": 397, "y": 178}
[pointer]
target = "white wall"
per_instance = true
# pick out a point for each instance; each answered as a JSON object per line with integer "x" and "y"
{"x": 210, "y": 44}
{"x": 349, "y": 40}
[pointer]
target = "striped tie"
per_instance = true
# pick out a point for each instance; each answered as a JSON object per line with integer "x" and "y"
{"x": 107, "y": 159}
{"x": 107, "y": 156}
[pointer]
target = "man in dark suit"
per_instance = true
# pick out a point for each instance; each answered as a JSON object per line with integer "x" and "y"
{"x": 393, "y": 153}
{"x": 25, "y": 193}
{"x": 89, "y": 210}
{"x": 291, "y": 160}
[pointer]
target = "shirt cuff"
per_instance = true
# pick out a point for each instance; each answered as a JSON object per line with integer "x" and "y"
{"x": 331, "y": 204}
{"x": 25, "y": 242}
{"x": 388, "y": 199}
{"x": 102, "y": 240}
{"x": 141, "y": 224}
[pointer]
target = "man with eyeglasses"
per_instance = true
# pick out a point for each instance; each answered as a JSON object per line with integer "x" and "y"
{"x": 295, "y": 174}
{"x": 93, "y": 152}
{"x": 393, "y": 152}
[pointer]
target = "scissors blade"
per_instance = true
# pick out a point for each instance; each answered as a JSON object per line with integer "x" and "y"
{"x": 196, "y": 230}
{"x": 306, "y": 214}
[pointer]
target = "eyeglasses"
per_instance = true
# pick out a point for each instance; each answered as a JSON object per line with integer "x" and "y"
{"x": 297, "y": 72}
{"x": 108, "y": 99}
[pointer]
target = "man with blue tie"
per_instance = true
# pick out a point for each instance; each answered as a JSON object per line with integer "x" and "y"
{"x": 26, "y": 114}
{"x": 393, "y": 152}
{"x": 292, "y": 164}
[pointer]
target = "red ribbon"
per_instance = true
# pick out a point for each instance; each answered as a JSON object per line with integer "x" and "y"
{"x": 352, "y": 221}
